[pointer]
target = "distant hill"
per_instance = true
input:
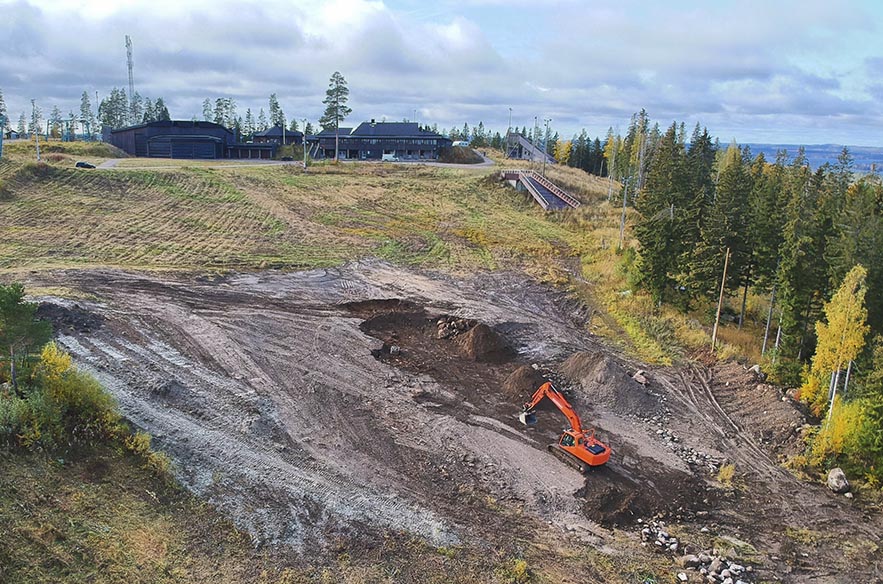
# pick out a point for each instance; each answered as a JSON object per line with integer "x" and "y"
{"x": 818, "y": 154}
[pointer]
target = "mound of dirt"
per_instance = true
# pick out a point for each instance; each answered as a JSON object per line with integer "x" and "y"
{"x": 68, "y": 319}
{"x": 522, "y": 382}
{"x": 608, "y": 385}
{"x": 482, "y": 343}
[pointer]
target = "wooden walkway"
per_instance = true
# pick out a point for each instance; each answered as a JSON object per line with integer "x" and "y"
{"x": 547, "y": 194}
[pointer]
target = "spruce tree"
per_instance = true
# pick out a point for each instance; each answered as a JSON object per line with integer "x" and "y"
{"x": 4, "y": 114}
{"x": 661, "y": 208}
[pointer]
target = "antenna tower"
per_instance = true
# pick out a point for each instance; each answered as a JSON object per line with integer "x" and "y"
{"x": 131, "y": 68}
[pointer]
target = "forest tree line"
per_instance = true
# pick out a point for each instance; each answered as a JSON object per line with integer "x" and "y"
{"x": 809, "y": 239}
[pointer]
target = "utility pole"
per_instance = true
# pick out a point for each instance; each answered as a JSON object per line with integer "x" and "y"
{"x": 625, "y": 194}
{"x": 305, "y": 145}
{"x": 720, "y": 301}
{"x": 546, "y": 144}
{"x": 2, "y": 132}
{"x": 610, "y": 168}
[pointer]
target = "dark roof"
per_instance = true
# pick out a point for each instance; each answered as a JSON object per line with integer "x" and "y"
{"x": 330, "y": 132}
{"x": 175, "y": 124}
{"x": 276, "y": 132}
{"x": 392, "y": 129}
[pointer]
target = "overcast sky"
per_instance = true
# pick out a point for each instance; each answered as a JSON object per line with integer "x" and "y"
{"x": 754, "y": 70}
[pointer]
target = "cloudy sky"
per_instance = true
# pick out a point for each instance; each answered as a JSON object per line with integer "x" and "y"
{"x": 754, "y": 70}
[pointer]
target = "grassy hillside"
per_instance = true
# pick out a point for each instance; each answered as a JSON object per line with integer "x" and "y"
{"x": 183, "y": 217}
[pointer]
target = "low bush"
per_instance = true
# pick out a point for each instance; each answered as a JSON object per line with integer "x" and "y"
{"x": 62, "y": 406}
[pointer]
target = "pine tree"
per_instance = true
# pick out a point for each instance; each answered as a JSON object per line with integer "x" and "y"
{"x": 22, "y": 128}
{"x": 113, "y": 111}
{"x": 207, "y": 112}
{"x": 262, "y": 122}
{"x": 277, "y": 117}
{"x": 136, "y": 109}
{"x": 336, "y": 109}
{"x": 87, "y": 116}
{"x": 293, "y": 125}
{"x": 149, "y": 111}
{"x": 56, "y": 123}
{"x": 160, "y": 111}
{"x": 36, "y": 123}
{"x": 248, "y": 126}
{"x": 309, "y": 130}
{"x": 4, "y": 114}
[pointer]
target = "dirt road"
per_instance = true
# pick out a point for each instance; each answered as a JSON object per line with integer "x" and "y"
{"x": 313, "y": 404}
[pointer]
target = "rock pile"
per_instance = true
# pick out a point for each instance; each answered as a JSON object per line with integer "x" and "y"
{"x": 711, "y": 564}
{"x": 451, "y": 326}
{"x": 715, "y": 568}
{"x": 695, "y": 458}
{"x": 654, "y": 534}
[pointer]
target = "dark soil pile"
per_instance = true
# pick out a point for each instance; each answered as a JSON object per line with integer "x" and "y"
{"x": 70, "y": 319}
{"x": 607, "y": 385}
{"x": 522, "y": 383}
{"x": 483, "y": 344}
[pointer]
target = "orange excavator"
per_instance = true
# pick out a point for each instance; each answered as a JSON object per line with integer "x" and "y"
{"x": 575, "y": 446}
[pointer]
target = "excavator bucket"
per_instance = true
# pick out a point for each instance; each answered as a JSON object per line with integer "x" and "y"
{"x": 528, "y": 418}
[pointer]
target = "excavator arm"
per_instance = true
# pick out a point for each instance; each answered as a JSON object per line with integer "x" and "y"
{"x": 547, "y": 390}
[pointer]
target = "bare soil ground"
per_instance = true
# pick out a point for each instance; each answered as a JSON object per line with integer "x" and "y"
{"x": 365, "y": 400}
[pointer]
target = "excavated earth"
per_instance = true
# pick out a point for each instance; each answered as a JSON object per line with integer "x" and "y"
{"x": 372, "y": 399}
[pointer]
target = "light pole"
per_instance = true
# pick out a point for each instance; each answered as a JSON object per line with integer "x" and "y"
{"x": 546, "y": 144}
{"x": 509, "y": 133}
{"x": 534, "y": 140}
{"x": 305, "y": 145}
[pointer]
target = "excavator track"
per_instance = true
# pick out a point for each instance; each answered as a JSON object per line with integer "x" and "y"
{"x": 568, "y": 458}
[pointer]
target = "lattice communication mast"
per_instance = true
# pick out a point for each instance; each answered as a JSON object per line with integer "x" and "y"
{"x": 131, "y": 68}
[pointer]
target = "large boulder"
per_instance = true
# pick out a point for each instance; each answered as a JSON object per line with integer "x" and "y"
{"x": 837, "y": 481}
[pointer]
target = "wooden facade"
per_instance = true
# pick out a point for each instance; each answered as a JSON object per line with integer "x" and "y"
{"x": 372, "y": 140}
{"x": 185, "y": 139}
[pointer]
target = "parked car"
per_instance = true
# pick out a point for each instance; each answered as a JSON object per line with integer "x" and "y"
{"x": 390, "y": 158}
{"x": 82, "y": 164}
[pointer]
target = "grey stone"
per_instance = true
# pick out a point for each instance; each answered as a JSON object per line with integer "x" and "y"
{"x": 837, "y": 480}
{"x": 682, "y": 577}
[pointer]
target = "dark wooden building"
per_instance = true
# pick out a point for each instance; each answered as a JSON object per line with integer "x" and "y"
{"x": 276, "y": 135}
{"x": 377, "y": 140}
{"x": 185, "y": 139}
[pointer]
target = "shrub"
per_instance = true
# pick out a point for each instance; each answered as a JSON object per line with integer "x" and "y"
{"x": 156, "y": 462}
{"x": 515, "y": 571}
{"x": 726, "y": 473}
{"x": 61, "y": 405}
